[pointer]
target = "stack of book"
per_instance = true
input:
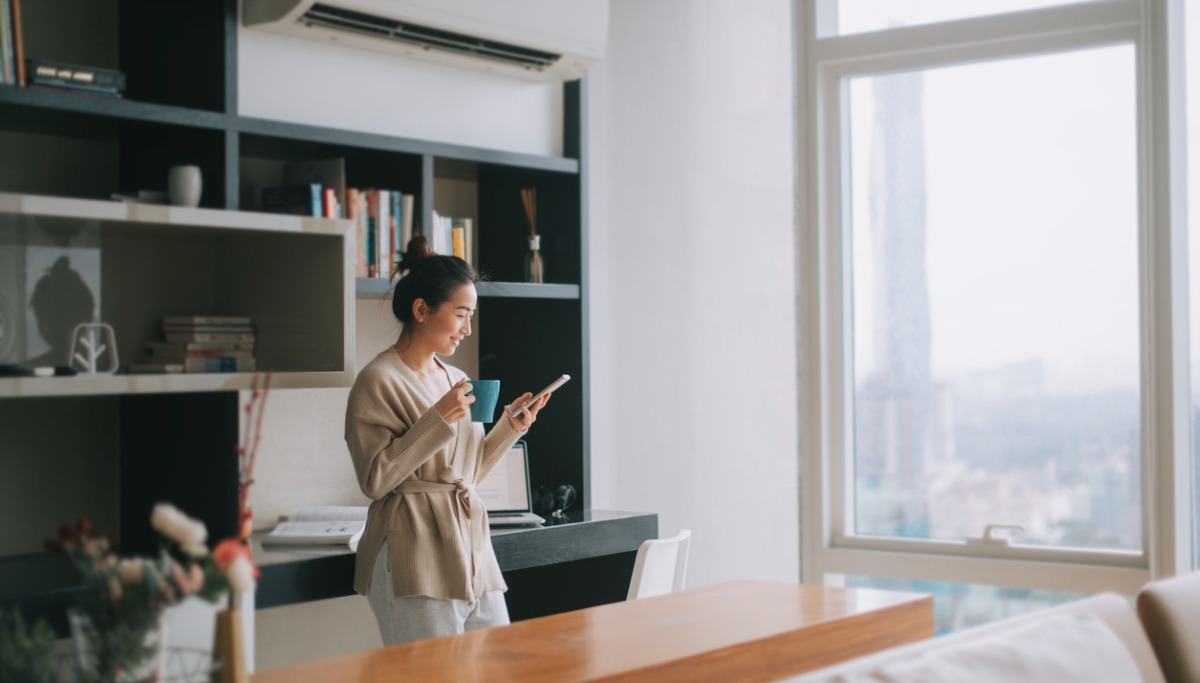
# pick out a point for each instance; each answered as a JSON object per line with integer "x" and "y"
{"x": 51, "y": 75}
{"x": 201, "y": 343}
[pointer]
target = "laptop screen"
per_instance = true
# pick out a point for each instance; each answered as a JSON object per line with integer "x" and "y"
{"x": 506, "y": 489}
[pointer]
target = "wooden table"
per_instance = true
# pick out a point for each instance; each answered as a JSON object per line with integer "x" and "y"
{"x": 738, "y": 631}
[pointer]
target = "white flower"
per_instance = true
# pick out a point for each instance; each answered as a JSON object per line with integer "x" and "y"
{"x": 189, "y": 533}
{"x": 195, "y": 551}
{"x": 130, "y": 571}
{"x": 240, "y": 573}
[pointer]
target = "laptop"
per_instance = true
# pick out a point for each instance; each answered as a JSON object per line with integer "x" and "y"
{"x": 506, "y": 493}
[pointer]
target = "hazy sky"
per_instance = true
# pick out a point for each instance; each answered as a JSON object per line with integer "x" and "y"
{"x": 1031, "y": 216}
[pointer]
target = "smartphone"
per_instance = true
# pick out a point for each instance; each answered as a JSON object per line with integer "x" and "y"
{"x": 516, "y": 409}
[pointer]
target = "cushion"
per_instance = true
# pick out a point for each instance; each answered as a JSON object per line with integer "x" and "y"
{"x": 1072, "y": 648}
{"x": 1170, "y": 613}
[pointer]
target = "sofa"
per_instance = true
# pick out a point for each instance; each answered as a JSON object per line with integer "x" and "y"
{"x": 1101, "y": 639}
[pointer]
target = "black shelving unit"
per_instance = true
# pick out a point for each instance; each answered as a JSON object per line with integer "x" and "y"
{"x": 181, "y": 108}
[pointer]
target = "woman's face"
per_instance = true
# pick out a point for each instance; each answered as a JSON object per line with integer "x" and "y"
{"x": 445, "y": 328}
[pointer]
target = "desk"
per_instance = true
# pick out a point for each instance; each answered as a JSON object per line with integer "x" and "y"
{"x": 738, "y": 631}
{"x": 580, "y": 560}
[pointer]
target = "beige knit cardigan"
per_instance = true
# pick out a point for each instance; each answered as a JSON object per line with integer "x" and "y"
{"x": 420, "y": 473}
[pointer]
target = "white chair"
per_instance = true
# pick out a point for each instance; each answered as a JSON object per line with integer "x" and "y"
{"x": 660, "y": 566}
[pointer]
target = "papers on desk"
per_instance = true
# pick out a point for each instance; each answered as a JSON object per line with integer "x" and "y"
{"x": 321, "y": 525}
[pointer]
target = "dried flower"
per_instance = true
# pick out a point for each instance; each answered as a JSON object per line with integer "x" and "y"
{"x": 189, "y": 533}
{"x": 248, "y": 449}
{"x": 130, "y": 571}
{"x": 123, "y": 597}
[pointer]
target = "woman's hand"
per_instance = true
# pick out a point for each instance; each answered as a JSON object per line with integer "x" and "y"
{"x": 524, "y": 418}
{"x": 456, "y": 404}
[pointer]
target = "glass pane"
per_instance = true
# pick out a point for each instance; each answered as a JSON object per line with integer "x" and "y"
{"x": 861, "y": 16}
{"x": 994, "y": 299}
{"x": 963, "y": 605}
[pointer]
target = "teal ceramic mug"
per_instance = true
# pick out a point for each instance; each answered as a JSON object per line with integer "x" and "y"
{"x": 487, "y": 394}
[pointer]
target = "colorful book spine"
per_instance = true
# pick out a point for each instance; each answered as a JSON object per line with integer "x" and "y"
{"x": 315, "y": 197}
{"x": 406, "y": 219}
{"x": 167, "y": 346}
{"x": 398, "y": 244}
{"x": 6, "y": 58}
{"x": 173, "y": 355}
{"x": 18, "y": 42}
{"x": 206, "y": 320}
{"x": 384, "y": 229}
{"x": 209, "y": 336}
{"x": 458, "y": 243}
{"x": 372, "y": 236}
{"x": 329, "y": 206}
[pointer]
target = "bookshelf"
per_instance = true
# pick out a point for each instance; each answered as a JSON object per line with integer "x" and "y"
{"x": 66, "y": 153}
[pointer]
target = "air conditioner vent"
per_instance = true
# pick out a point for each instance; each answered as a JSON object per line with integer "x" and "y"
{"x": 426, "y": 37}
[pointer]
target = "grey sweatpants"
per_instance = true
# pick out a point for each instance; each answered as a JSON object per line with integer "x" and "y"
{"x": 403, "y": 620}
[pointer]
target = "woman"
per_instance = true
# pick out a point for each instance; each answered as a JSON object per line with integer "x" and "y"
{"x": 425, "y": 561}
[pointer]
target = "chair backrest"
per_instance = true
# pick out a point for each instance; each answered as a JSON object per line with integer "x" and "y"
{"x": 1170, "y": 613}
{"x": 660, "y": 566}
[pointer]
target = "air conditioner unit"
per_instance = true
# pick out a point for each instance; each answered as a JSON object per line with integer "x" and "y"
{"x": 544, "y": 40}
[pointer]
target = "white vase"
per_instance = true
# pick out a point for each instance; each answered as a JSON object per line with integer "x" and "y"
{"x": 152, "y": 667}
{"x": 184, "y": 185}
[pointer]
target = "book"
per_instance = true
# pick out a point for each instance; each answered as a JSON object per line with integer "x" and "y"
{"x": 59, "y": 73}
{"x": 18, "y": 42}
{"x": 155, "y": 368}
{"x": 329, "y": 205}
{"x": 205, "y": 320}
{"x": 383, "y": 221}
{"x": 174, "y": 355}
{"x": 218, "y": 329}
{"x": 7, "y": 73}
{"x": 354, "y": 211}
{"x": 159, "y": 346}
{"x": 209, "y": 336}
{"x": 321, "y": 525}
{"x": 222, "y": 364}
{"x": 458, "y": 242}
{"x": 369, "y": 201}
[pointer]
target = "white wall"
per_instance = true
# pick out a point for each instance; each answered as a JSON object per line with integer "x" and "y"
{"x": 693, "y": 371}
{"x": 305, "y": 81}
{"x": 693, "y": 321}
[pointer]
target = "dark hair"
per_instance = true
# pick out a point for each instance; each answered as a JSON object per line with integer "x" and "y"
{"x": 427, "y": 276}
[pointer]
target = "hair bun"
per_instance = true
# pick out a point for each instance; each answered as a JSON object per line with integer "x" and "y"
{"x": 418, "y": 250}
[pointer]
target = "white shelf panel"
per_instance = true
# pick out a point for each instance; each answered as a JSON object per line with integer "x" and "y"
{"x": 167, "y": 216}
{"x": 292, "y": 275}
{"x": 85, "y": 385}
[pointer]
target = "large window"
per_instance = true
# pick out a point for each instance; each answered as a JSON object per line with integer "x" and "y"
{"x": 995, "y": 329}
{"x": 995, "y": 366}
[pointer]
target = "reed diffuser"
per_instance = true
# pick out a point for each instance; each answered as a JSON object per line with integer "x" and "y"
{"x": 535, "y": 270}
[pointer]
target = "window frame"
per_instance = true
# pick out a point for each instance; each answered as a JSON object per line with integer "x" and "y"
{"x": 1155, "y": 30}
